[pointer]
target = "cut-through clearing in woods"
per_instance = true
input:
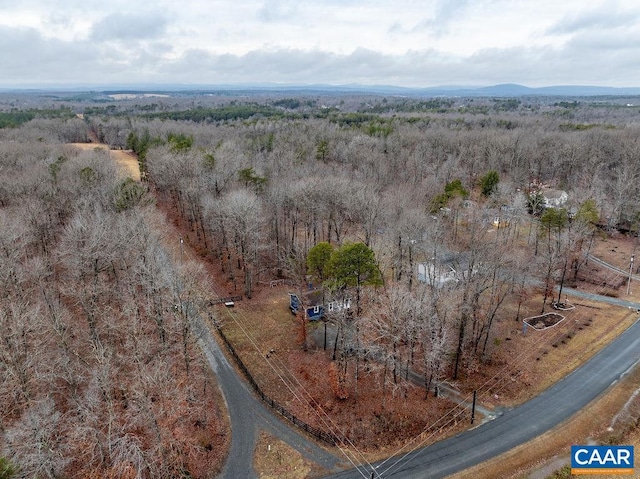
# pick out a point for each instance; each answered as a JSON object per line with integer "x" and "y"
{"x": 124, "y": 159}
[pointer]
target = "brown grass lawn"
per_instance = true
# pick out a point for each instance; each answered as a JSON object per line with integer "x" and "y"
{"x": 618, "y": 250}
{"x": 266, "y": 336}
{"x": 549, "y": 355}
{"x": 275, "y": 459}
{"x": 126, "y": 160}
{"x": 521, "y": 366}
{"x": 540, "y": 457}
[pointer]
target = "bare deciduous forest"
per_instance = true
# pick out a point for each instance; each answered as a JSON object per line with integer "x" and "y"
{"x": 100, "y": 375}
{"x": 430, "y": 214}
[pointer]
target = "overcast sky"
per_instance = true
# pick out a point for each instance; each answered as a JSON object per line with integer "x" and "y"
{"x": 374, "y": 42}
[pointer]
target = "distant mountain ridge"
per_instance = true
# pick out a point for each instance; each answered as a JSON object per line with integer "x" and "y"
{"x": 559, "y": 90}
{"x": 500, "y": 90}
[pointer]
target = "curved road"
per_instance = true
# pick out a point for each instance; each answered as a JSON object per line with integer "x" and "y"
{"x": 517, "y": 425}
{"x": 248, "y": 415}
{"x": 620, "y": 271}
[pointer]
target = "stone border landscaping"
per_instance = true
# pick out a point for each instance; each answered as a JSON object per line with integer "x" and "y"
{"x": 543, "y": 321}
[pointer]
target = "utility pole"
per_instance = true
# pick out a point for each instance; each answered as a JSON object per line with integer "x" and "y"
{"x": 630, "y": 274}
{"x": 181, "y": 248}
{"x": 325, "y": 335}
{"x": 473, "y": 407}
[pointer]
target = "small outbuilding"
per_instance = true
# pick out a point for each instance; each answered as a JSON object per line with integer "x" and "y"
{"x": 314, "y": 304}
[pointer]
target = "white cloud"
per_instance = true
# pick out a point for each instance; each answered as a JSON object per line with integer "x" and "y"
{"x": 121, "y": 26}
{"x": 408, "y": 42}
{"x": 278, "y": 11}
{"x": 601, "y": 17}
{"x": 27, "y": 58}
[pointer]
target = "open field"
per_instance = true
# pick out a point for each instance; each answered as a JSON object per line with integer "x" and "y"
{"x": 124, "y": 159}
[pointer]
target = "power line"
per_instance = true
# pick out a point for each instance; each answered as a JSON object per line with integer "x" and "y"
{"x": 492, "y": 382}
{"x": 499, "y": 380}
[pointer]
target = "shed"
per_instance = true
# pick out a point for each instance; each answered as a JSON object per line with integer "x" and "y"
{"x": 315, "y": 305}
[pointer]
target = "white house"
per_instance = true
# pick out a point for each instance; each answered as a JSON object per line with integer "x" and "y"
{"x": 436, "y": 276}
{"x": 554, "y": 198}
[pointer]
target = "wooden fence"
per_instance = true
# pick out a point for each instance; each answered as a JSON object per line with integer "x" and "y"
{"x": 314, "y": 431}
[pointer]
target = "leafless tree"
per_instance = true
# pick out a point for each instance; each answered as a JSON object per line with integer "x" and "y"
{"x": 35, "y": 442}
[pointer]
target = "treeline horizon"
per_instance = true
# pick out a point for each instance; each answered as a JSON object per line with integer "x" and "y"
{"x": 259, "y": 185}
{"x": 260, "y": 193}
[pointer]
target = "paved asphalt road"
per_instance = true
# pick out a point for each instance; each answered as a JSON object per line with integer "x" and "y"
{"x": 248, "y": 415}
{"x": 517, "y": 425}
{"x": 602, "y": 299}
{"x": 622, "y": 272}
